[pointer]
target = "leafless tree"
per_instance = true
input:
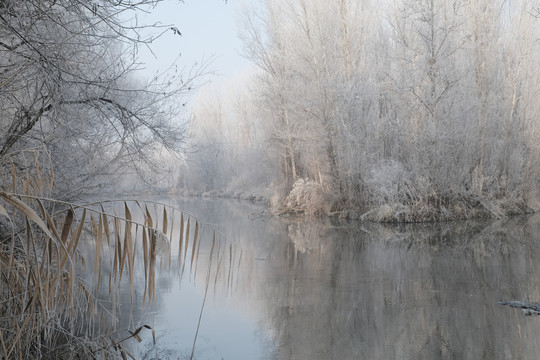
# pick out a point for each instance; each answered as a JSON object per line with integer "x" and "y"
{"x": 68, "y": 82}
{"x": 430, "y": 105}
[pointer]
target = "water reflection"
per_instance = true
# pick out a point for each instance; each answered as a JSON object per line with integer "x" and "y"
{"x": 323, "y": 290}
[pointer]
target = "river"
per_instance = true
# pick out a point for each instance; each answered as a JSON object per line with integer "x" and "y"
{"x": 322, "y": 289}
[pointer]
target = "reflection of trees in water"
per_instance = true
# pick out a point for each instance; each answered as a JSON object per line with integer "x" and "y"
{"x": 487, "y": 237}
{"x": 416, "y": 291}
{"x": 404, "y": 291}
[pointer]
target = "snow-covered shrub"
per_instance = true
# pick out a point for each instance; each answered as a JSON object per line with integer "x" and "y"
{"x": 306, "y": 197}
{"x": 391, "y": 183}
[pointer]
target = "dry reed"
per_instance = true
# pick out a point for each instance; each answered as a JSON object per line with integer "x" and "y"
{"x": 49, "y": 308}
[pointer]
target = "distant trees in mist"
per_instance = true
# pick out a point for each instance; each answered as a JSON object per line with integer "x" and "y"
{"x": 412, "y": 109}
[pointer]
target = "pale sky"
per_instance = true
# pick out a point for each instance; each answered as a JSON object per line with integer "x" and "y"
{"x": 208, "y": 29}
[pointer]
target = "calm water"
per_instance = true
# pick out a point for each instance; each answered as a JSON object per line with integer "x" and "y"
{"x": 323, "y": 290}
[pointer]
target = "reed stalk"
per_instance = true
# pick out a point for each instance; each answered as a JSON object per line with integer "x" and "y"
{"x": 52, "y": 301}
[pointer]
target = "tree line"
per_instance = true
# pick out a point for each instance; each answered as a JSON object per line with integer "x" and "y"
{"x": 401, "y": 111}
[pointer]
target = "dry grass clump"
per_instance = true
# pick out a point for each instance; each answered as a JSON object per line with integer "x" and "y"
{"x": 306, "y": 197}
{"x": 445, "y": 208}
{"x": 398, "y": 194}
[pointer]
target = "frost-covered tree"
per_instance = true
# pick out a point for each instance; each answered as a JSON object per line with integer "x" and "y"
{"x": 412, "y": 109}
{"x": 309, "y": 53}
{"x": 67, "y": 87}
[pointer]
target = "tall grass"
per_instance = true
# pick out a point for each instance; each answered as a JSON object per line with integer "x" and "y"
{"x": 50, "y": 307}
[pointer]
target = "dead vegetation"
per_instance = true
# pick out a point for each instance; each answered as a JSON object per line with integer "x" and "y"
{"x": 60, "y": 300}
{"x": 307, "y": 197}
{"x": 441, "y": 208}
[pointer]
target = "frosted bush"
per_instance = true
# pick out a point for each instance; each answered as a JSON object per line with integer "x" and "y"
{"x": 306, "y": 197}
{"x": 386, "y": 180}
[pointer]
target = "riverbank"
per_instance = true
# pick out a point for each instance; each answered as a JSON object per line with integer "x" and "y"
{"x": 308, "y": 198}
